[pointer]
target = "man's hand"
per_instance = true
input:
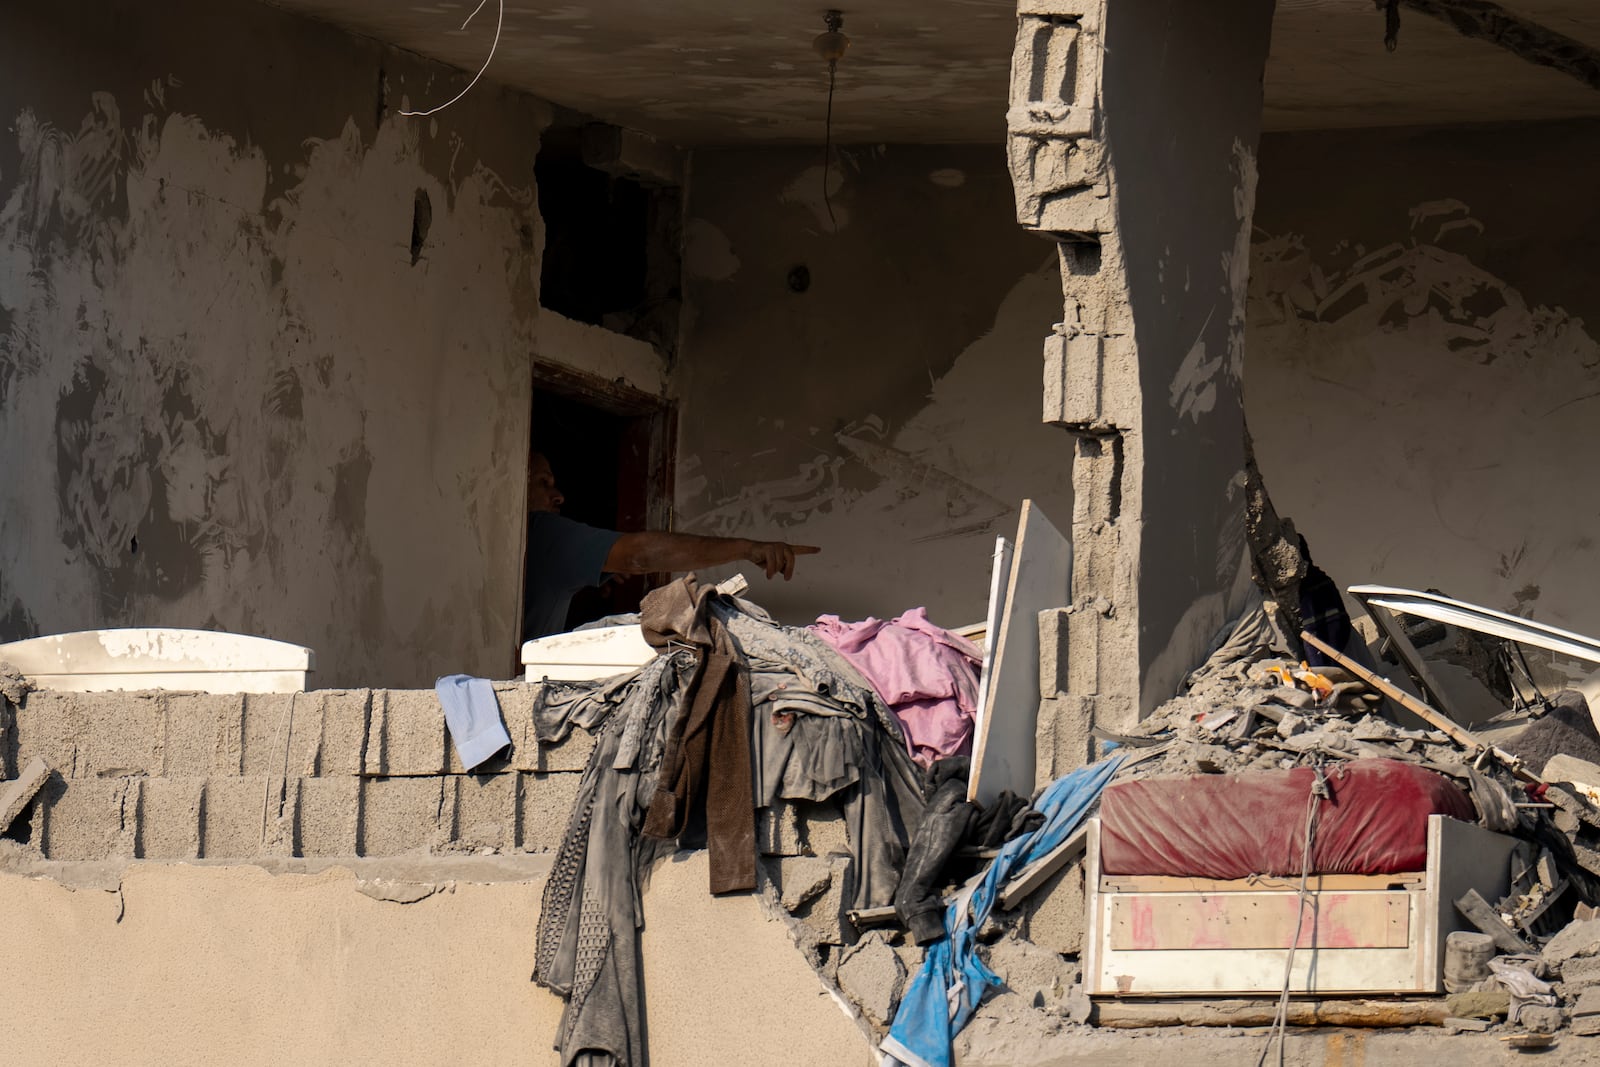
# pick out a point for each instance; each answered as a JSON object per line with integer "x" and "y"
{"x": 777, "y": 557}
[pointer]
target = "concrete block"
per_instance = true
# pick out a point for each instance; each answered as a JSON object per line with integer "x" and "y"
{"x": 283, "y": 734}
{"x": 345, "y": 717}
{"x": 123, "y": 733}
{"x": 827, "y": 915}
{"x": 823, "y": 828}
{"x": 544, "y": 803}
{"x": 240, "y": 816}
{"x": 46, "y": 726}
{"x": 778, "y": 831}
{"x": 87, "y": 818}
{"x": 403, "y": 814}
{"x": 93, "y": 735}
{"x": 1062, "y": 742}
{"x": 1054, "y": 917}
{"x": 169, "y": 818}
{"x": 327, "y": 816}
{"x": 408, "y": 726}
{"x": 20, "y": 791}
{"x": 1053, "y": 651}
{"x": 527, "y": 754}
{"x": 485, "y": 814}
{"x": 204, "y": 735}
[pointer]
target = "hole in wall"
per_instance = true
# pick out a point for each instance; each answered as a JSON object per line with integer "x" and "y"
{"x": 421, "y": 219}
{"x": 1114, "y": 505}
{"x": 611, "y": 244}
{"x": 799, "y": 278}
{"x": 133, "y": 546}
{"x": 1081, "y": 258}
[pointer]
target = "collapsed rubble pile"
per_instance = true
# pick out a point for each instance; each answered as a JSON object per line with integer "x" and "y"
{"x": 1531, "y": 969}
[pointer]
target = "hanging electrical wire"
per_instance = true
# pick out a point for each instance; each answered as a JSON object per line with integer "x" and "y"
{"x": 499, "y": 24}
{"x": 830, "y": 46}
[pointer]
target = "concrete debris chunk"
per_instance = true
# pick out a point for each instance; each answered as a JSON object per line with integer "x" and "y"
{"x": 14, "y": 685}
{"x": 1580, "y": 938}
{"x": 802, "y": 879}
{"x": 1540, "y": 1018}
{"x": 15, "y": 794}
{"x": 1580, "y": 972}
{"x": 1456, "y": 1026}
{"x": 1479, "y": 1003}
{"x": 1564, "y": 768}
{"x": 1588, "y": 1003}
{"x": 871, "y": 975}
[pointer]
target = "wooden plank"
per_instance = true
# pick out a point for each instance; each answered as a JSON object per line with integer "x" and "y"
{"x": 1478, "y": 912}
{"x": 1262, "y": 1012}
{"x": 1156, "y": 921}
{"x": 1041, "y": 578}
{"x": 1162, "y": 883}
{"x": 1038, "y": 872}
{"x": 1439, "y": 721}
{"x": 999, "y": 582}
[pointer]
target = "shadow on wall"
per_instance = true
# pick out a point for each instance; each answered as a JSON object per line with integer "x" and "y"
{"x": 1420, "y": 417}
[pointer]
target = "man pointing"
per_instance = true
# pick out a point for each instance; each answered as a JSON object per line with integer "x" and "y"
{"x": 564, "y": 555}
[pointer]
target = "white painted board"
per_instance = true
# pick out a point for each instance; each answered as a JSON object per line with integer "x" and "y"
{"x": 1040, "y": 578}
{"x": 133, "y": 658}
{"x": 999, "y": 581}
{"x": 586, "y": 654}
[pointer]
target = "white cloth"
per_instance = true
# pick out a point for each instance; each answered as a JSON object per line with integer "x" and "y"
{"x": 472, "y": 713}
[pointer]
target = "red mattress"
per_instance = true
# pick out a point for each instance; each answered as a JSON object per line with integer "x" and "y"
{"x": 1233, "y": 826}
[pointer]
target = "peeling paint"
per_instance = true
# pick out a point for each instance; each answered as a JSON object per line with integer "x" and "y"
{"x": 242, "y": 403}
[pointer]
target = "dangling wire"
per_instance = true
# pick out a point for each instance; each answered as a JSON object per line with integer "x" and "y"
{"x": 497, "y": 27}
{"x": 827, "y": 145}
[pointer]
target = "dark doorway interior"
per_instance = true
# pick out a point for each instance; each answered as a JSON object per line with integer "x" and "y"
{"x": 610, "y": 448}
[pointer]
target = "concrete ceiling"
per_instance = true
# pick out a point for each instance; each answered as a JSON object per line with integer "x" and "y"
{"x": 705, "y": 72}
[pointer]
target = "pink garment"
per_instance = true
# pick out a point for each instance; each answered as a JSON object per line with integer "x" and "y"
{"x": 927, "y": 675}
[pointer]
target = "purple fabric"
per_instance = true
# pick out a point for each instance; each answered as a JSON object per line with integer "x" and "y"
{"x": 927, "y": 675}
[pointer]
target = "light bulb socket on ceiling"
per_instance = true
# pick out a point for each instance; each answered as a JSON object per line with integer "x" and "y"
{"x": 832, "y": 45}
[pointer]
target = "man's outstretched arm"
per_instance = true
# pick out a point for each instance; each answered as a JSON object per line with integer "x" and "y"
{"x": 650, "y": 552}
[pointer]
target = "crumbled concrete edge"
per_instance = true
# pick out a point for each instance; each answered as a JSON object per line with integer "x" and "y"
{"x": 387, "y": 889}
{"x": 14, "y": 685}
{"x": 392, "y": 878}
{"x": 807, "y": 941}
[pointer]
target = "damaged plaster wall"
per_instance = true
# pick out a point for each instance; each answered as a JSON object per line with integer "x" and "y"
{"x": 1424, "y": 372}
{"x": 867, "y": 383}
{"x": 263, "y": 343}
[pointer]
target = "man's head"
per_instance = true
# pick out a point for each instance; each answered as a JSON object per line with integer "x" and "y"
{"x": 543, "y": 493}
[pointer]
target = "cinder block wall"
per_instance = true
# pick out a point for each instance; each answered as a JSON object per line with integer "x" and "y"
{"x": 356, "y": 772}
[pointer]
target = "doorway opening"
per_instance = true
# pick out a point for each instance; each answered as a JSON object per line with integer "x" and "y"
{"x": 611, "y": 448}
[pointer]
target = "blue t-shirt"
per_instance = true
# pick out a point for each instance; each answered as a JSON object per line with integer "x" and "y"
{"x": 564, "y": 556}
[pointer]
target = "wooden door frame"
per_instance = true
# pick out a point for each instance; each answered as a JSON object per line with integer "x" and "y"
{"x": 616, "y": 397}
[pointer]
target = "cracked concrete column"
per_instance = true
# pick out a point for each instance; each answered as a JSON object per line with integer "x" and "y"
{"x": 1132, "y": 138}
